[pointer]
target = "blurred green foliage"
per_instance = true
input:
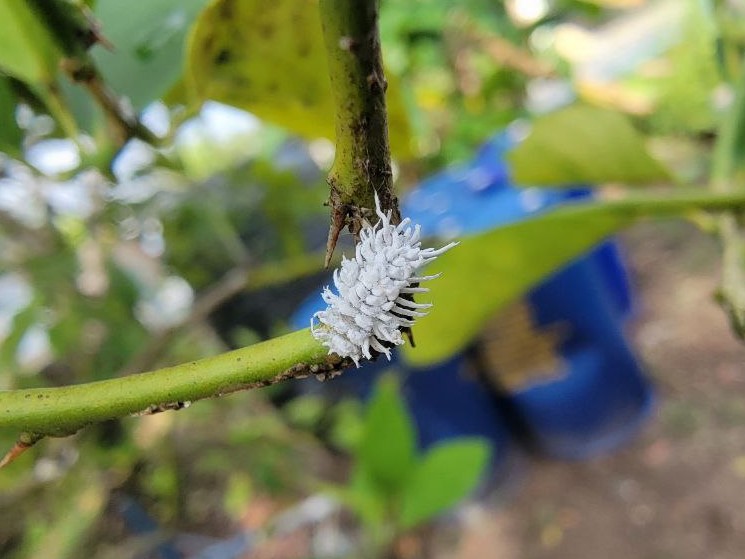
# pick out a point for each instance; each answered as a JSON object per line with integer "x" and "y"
{"x": 115, "y": 253}
{"x": 394, "y": 487}
{"x": 604, "y": 147}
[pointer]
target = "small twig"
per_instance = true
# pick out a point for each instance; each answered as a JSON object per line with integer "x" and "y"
{"x": 126, "y": 124}
{"x": 727, "y": 177}
{"x": 731, "y": 292}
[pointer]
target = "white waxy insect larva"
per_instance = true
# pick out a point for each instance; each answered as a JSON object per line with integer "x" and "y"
{"x": 370, "y": 306}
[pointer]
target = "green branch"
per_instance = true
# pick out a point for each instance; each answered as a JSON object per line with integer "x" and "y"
{"x": 728, "y": 176}
{"x": 64, "y": 410}
{"x": 670, "y": 203}
{"x": 363, "y": 162}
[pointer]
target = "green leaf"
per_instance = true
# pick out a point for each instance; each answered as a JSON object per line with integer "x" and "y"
{"x": 21, "y": 324}
{"x": 10, "y": 134}
{"x": 446, "y": 474}
{"x": 269, "y": 58}
{"x": 485, "y": 272}
{"x": 582, "y": 144}
{"x": 387, "y": 450}
{"x": 27, "y": 51}
{"x": 149, "y": 39}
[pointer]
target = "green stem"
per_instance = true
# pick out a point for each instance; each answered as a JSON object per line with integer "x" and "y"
{"x": 363, "y": 163}
{"x": 672, "y": 203}
{"x": 55, "y": 104}
{"x": 728, "y": 164}
{"x": 62, "y": 411}
{"x": 728, "y": 176}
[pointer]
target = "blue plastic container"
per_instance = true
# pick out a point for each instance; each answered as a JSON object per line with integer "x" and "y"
{"x": 601, "y": 397}
{"x": 597, "y": 396}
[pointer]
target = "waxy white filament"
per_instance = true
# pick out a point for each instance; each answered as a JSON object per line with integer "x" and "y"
{"x": 371, "y": 306}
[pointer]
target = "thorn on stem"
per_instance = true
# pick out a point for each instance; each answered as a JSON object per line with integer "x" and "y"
{"x": 23, "y": 443}
{"x": 409, "y": 333}
{"x": 338, "y": 220}
{"x": 95, "y": 31}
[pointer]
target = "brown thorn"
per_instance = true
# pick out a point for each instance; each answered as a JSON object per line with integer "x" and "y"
{"x": 338, "y": 219}
{"x": 409, "y": 333}
{"x": 102, "y": 40}
{"x": 18, "y": 448}
{"x": 95, "y": 29}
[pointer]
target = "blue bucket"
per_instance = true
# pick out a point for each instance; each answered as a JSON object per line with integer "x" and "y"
{"x": 590, "y": 394}
{"x": 599, "y": 396}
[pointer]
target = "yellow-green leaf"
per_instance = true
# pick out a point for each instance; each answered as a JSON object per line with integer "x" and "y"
{"x": 268, "y": 57}
{"x": 583, "y": 144}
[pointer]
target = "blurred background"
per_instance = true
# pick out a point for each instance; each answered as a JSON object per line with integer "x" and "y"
{"x": 162, "y": 189}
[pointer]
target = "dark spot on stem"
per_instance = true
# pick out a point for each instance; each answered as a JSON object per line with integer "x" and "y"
{"x": 223, "y": 57}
